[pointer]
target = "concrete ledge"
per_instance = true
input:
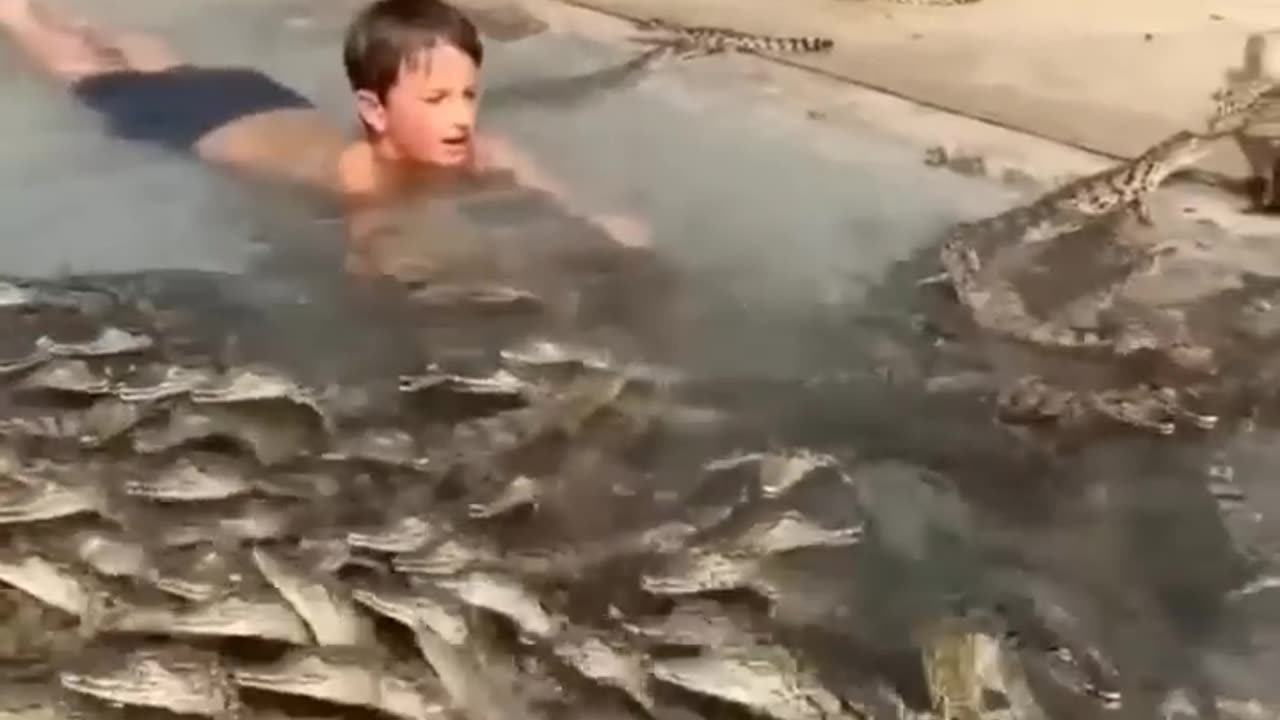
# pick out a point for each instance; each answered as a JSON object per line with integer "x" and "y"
{"x": 1098, "y": 75}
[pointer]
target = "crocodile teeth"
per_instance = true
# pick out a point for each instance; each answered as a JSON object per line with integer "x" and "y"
{"x": 693, "y": 622}
{"x": 109, "y": 418}
{"x": 15, "y": 365}
{"x": 197, "y": 476}
{"x": 547, "y": 352}
{"x": 105, "y": 419}
{"x": 345, "y": 677}
{"x": 202, "y": 575}
{"x": 792, "y": 531}
{"x": 406, "y": 535}
{"x": 328, "y": 611}
{"x": 110, "y": 341}
{"x": 158, "y": 382}
{"x": 765, "y": 680}
{"x": 66, "y": 376}
{"x": 48, "y": 500}
{"x": 501, "y": 382}
{"x": 112, "y": 556}
{"x": 272, "y": 437}
{"x": 184, "y": 682}
{"x": 419, "y": 606}
{"x": 476, "y": 294}
{"x": 242, "y": 518}
{"x": 702, "y": 571}
{"x": 381, "y": 445}
{"x": 606, "y": 664}
{"x": 49, "y": 583}
{"x": 505, "y": 596}
{"x": 247, "y": 385}
{"x": 521, "y": 492}
{"x": 777, "y": 473}
{"x": 451, "y": 556}
{"x": 262, "y": 617}
{"x": 256, "y": 385}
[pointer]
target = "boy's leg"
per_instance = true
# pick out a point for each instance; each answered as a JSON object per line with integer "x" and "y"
{"x": 231, "y": 116}
{"x": 72, "y": 50}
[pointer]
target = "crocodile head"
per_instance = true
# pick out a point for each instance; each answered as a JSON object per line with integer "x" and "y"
{"x": 180, "y": 681}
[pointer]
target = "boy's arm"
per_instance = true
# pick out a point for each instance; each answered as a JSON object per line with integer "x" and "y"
{"x": 499, "y": 152}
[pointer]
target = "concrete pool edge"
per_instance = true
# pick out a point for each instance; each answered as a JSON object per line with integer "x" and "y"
{"x": 902, "y": 53}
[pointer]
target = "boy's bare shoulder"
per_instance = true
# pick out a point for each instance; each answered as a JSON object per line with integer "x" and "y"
{"x": 295, "y": 144}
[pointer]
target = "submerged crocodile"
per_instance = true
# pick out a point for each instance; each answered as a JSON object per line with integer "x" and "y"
{"x": 211, "y": 572}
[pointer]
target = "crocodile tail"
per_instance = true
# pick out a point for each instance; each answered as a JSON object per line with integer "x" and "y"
{"x": 743, "y": 42}
{"x": 797, "y": 45}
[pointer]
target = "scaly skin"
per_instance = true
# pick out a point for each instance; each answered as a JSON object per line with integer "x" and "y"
{"x": 694, "y": 41}
{"x": 968, "y": 256}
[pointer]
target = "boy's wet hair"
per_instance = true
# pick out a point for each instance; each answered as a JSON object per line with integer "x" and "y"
{"x": 390, "y": 33}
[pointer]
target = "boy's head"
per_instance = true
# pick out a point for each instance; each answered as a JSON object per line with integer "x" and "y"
{"x": 413, "y": 67}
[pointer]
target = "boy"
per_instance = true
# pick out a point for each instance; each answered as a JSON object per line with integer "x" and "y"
{"x": 412, "y": 66}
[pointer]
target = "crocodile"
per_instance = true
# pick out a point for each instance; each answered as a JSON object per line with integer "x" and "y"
{"x": 379, "y": 445}
{"x": 1255, "y": 136}
{"x": 67, "y": 375}
{"x": 767, "y": 679}
{"x": 507, "y": 596}
{"x": 351, "y": 677}
{"x": 692, "y": 622}
{"x": 194, "y": 476}
{"x": 58, "y": 585}
{"x": 603, "y": 659}
{"x": 1162, "y": 410}
{"x": 273, "y": 434}
{"x": 419, "y": 605}
{"x": 444, "y": 637}
{"x": 734, "y": 551}
{"x": 976, "y": 256}
{"x": 162, "y": 381}
{"x": 244, "y": 613}
{"x": 697, "y": 40}
{"x": 179, "y": 680}
{"x": 55, "y": 494}
{"x": 327, "y": 609}
{"x": 109, "y": 341}
{"x": 201, "y": 573}
{"x": 260, "y": 384}
{"x": 406, "y": 534}
{"x": 972, "y": 671}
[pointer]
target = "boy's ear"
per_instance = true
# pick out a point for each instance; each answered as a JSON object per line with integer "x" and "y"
{"x": 371, "y": 110}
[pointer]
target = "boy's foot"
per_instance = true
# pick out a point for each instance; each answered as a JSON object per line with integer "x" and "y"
{"x": 14, "y": 12}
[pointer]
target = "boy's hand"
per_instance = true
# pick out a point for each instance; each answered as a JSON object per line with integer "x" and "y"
{"x": 626, "y": 230}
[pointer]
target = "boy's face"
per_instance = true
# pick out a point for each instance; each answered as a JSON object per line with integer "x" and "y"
{"x": 429, "y": 115}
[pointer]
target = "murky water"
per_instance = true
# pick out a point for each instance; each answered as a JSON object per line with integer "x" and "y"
{"x": 779, "y": 227}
